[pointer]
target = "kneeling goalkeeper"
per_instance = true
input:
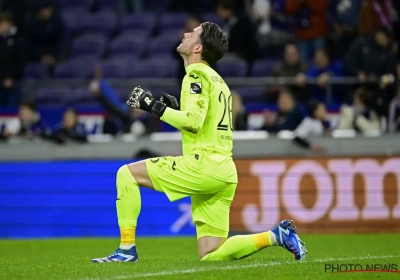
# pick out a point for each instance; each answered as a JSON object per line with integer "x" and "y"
{"x": 206, "y": 171}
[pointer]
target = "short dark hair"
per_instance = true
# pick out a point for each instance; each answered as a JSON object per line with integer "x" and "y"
{"x": 214, "y": 41}
{"x": 28, "y": 104}
{"x": 364, "y": 95}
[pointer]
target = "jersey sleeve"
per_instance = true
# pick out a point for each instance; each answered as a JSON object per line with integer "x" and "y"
{"x": 194, "y": 103}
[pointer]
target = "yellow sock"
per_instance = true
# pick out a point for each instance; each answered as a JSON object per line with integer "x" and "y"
{"x": 128, "y": 235}
{"x": 262, "y": 240}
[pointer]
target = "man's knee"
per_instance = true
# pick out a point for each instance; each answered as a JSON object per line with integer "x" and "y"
{"x": 138, "y": 171}
{"x": 208, "y": 244}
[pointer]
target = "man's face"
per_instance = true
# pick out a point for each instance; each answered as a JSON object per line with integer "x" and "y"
{"x": 224, "y": 13}
{"x": 46, "y": 12}
{"x": 321, "y": 60}
{"x": 191, "y": 42}
{"x": 69, "y": 119}
{"x": 381, "y": 39}
{"x": 285, "y": 102}
{"x": 5, "y": 26}
{"x": 291, "y": 55}
{"x": 26, "y": 114}
{"x": 320, "y": 112}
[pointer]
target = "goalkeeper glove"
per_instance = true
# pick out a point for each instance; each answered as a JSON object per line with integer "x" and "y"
{"x": 142, "y": 98}
{"x": 170, "y": 101}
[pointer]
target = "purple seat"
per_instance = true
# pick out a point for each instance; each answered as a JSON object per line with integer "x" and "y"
{"x": 115, "y": 68}
{"x": 142, "y": 21}
{"x": 163, "y": 44}
{"x": 84, "y": 4}
{"x": 127, "y": 45}
{"x": 107, "y": 4}
{"x": 175, "y": 32}
{"x": 72, "y": 18}
{"x": 73, "y": 69}
{"x": 53, "y": 95}
{"x": 93, "y": 45}
{"x": 172, "y": 21}
{"x": 136, "y": 33}
{"x": 250, "y": 93}
{"x": 81, "y": 96}
{"x": 103, "y": 22}
{"x": 154, "y": 68}
{"x": 35, "y": 71}
{"x": 232, "y": 68}
{"x": 263, "y": 68}
{"x": 130, "y": 59}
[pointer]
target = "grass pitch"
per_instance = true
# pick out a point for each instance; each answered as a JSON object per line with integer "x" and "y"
{"x": 176, "y": 258}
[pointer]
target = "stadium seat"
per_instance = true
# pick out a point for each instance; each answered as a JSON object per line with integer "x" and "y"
{"x": 127, "y": 45}
{"x": 84, "y": 4}
{"x": 53, "y": 95}
{"x": 136, "y": 33}
{"x": 72, "y": 18}
{"x": 172, "y": 21}
{"x": 142, "y": 21}
{"x": 85, "y": 45}
{"x": 35, "y": 71}
{"x": 263, "y": 68}
{"x": 232, "y": 68}
{"x": 115, "y": 68}
{"x": 104, "y": 22}
{"x": 163, "y": 44}
{"x": 107, "y": 5}
{"x": 161, "y": 67}
{"x": 74, "y": 69}
{"x": 81, "y": 96}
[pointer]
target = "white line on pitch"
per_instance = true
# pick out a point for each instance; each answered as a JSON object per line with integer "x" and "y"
{"x": 233, "y": 267}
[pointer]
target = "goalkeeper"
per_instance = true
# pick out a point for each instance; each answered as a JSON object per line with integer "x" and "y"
{"x": 206, "y": 171}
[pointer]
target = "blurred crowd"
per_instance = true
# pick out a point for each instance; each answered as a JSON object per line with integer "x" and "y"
{"x": 310, "y": 41}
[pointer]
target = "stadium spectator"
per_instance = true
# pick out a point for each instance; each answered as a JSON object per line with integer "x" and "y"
{"x": 18, "y": 9}
{"x": 70, "y": 129}
{"x": 28, "y": 125}
{"x": 372, "y": 60}
{"x": 191, "y": 23}
{"x": 375, "y": 13}
{"x": 310, "y": 23}
{"x": 360, "y": 116}
{"x": 269, "y": 34}
{"x": 315, "y": 124}
{"x": 343, "y": 16}
{"x": 287, "y": 117}
{"x": 239, "y": 113}
{"x": 240, "y": 30}
{"x": 11, "y": 62}
{"x": 134, "y": 121}
{"x": 322, "y": 70}
{"x": 394, "y": 113}
{"x": 291, "y": 66}
{"x": 46, "y": 34}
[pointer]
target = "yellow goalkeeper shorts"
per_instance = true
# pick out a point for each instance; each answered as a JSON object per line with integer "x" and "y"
{"x": 184, "y": 176}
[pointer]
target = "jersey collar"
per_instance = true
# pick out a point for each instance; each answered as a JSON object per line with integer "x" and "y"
{"x": 193, "y": 65}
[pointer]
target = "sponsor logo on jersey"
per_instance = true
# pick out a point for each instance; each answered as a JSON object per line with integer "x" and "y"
{"x": 193, "y": 76}
{"x": 195, "y": 88}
